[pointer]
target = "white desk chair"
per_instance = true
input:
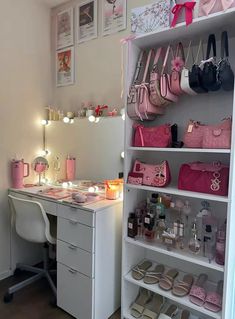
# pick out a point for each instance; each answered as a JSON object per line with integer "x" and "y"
{"x": 32, "y": 224}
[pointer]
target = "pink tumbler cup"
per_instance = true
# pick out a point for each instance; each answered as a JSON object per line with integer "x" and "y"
{"x": 19, "y": 170}
{"x": 70, "y": 169}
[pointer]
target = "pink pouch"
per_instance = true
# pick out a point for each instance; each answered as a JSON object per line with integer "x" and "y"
{"x": 177, "y": 65}
{"x": 207, "y": 178}
{"x": 217, "y": 136}
{"x": 157, "y": 136}
{"x": 157, "y": 175}
{"x": 193, "y": 135}
{"x": 207, "y": 7}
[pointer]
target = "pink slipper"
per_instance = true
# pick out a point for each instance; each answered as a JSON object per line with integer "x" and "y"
{"x": 213, "y": 300}
{"x": 197, "y": 292}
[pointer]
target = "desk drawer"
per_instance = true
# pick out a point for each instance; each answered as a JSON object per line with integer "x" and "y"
{"x": 49, "y": 207}
{"x": 74, "y": 257}
{"x": 74, "y": 292}
{"x": 72, "y": 232}
{"x": 82, "y": 216}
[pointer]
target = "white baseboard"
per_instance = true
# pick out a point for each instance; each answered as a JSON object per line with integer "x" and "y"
{"x": 5, "y": 274}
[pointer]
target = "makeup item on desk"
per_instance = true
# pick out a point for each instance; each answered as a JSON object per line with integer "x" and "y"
{"x": 220, "y": 245}
{"x": 132, "y": 226}
{"x": 79, "y": 197}
{"x": 70, "y": 168}
{"x": 19, "y": 170}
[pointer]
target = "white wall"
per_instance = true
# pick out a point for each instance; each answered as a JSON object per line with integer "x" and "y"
{"x": 25, "y": 88}
{"x": 98, "y": 65}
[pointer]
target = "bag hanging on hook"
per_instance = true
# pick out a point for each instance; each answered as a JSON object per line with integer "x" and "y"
{"x": 177, "y": 65}
{"x": 225, "y": 73}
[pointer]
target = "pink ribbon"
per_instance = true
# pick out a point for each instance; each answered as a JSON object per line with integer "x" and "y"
{"x": 189, "y": 6}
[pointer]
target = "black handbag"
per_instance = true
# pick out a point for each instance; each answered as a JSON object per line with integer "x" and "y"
{"x": 209, "y": 73}
{"x": 195, "y": 75}
{"x": 225, "y": 73}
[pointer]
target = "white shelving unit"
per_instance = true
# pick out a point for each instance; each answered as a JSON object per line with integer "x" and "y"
{"x": 207, "y": 108}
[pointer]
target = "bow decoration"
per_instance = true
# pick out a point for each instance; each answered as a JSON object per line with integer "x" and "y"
{"x": 188, "y": 6}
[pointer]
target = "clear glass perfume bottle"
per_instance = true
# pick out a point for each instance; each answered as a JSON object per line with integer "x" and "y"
{"x": 194, "y": 244}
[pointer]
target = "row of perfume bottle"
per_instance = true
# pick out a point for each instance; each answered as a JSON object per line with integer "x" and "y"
{"x": 159, "y": 219}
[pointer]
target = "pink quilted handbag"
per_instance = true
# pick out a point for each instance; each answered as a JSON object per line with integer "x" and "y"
{"x": 207, "y": 7}
{"x": 217, "y": 136}
{"x": 210, "y": 178}
{"x": 157, "y": 136}
{"x": 177, "y": 65}
{"x": 194, "y": 134}
{"x": 157, "y": 175}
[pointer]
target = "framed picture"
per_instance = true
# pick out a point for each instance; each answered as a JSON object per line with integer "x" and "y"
{"x": 87, "y": 20}
{"x": 64, "y": 29}
{"x": 113, "y": 16}
{"x": 65, "y": 67}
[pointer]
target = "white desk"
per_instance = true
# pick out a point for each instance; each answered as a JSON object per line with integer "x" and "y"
{"x": 88, "y": 254}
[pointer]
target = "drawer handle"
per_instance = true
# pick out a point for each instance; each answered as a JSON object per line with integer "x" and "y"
{"x": 71, "y": 246}
{"x": 73, "y": 221}
{"x": 72, "y": 271}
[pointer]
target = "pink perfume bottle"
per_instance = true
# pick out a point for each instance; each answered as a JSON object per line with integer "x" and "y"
{"x": 70, "y": 168}
{"x": 220, "y": 245}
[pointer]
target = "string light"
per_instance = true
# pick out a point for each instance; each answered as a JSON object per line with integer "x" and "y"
{"x": 45, "y": 153}
{"x": 122, "y": 154}
{"x": 45, "y": 122}
{"x": 66, "y": 120}
{"x": 91, "y": 118}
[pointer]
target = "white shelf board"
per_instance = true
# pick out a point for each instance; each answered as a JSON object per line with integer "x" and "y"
{"x": 182, "y": 255}
{"x": 203, "y": 25}
{"x": 184, "y": 301}
{"x": 175, "y": 191}
{"x": 181, "y": 150}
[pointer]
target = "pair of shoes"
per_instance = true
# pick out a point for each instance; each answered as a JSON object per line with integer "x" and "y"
{"x": 147, "y": 305}
{"x": 150, "y": 277}
{"x": 209, "y": 300}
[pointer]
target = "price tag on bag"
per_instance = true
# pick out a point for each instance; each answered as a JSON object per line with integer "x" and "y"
{"x": 190, "y": 128}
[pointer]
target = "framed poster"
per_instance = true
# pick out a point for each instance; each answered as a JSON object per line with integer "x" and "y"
{"x": 87, "y": 21}
{"x": 65, "y": 67}
{"x": 113, "y": 16}
{"x": 64, "y": 29}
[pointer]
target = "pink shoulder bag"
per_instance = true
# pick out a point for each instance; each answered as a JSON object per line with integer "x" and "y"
{"x": 157, "y": 136}
{"x": 155, "y": 93}
{"x": 207, "y": 7}
{"x": 165, "y": 81}
{"x": 147, "y": 109}
{"x": 177, "y": 65}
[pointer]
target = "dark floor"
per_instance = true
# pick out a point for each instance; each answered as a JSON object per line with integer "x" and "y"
{"x": 31, "y": 303}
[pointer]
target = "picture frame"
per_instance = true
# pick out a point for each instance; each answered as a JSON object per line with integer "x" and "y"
{"x": 87, "y": 21}
{"x": 114, "y": 16}
{"x": 65, "y": 73}
{"x": 65, "y": 28}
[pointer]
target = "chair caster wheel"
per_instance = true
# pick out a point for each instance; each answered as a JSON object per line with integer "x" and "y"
{"x": 7, "y": 297}
{"x": 53, "y": 302}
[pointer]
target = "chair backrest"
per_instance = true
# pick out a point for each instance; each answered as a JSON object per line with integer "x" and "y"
{"x": 30, "y": 219}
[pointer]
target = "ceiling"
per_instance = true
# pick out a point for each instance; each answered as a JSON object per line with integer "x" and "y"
{"x": 53, "y": 3}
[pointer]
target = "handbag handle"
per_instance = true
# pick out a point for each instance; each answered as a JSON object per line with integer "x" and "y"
{"x": 211, "y": 44}
{"x": 139, "y": 66}
{"x": 188, "y": 51}
{"x": 156, "y": 58}
{"x": 200, "y": 48}
{"x": 147, "y": 65}
{"x": 166, "y": 58}
{"x": 224, "y": 45}
{"x": 180, "y": 50}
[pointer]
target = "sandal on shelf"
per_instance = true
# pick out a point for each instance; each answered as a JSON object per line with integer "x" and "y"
{"x": 153, "y": 308}
{"x": 185, "y": 314}
{"x": 137, "y": 308}
{"x": 182, "y": 288}
{"x": 167, "y": 280}
{"x": 153, "y": 276}
{"x": 138, "y": 272}
{"x": 213, "y": 300}
{"x": 197, "y": 292}
{"x": 169, "y": 313}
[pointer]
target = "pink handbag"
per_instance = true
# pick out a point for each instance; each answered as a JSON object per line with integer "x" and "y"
{"x": 135, "y": 178}
{"x": 155, "y": 93}
{"x": 157, "y": 136}
{"x": 210, "y": 178}
{"x": 177, "y": 65}
{"x": 207, "y": 7}
{"x": 217, "y": 136}
{"x": 198, "y": 135}
{"x": 165, "y": 82}
{"x": 157, "y": 175}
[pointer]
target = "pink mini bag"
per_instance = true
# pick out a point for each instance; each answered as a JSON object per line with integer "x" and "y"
{"x": 207, "y": 7}
{"x": 157, "y": 136}
{"x": 210, "y": 178}
{"x": 217, "y": 136}
{"x": 157, "y": 175}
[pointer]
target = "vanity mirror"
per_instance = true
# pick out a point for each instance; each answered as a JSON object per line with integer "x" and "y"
{"x": 40, "y": 165}
{"x": 97, "y": 148}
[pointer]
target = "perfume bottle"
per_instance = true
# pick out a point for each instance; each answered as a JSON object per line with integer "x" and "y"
{"x": 209, "y": 243}
{"x": 149, "y": 233}
{"x": 132, "y": 225}
{"x": 194, "y": 244}
{"x": 220, "y": 245}
{"x": 204, "y": 212}
{"x": 160, "y": 207}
